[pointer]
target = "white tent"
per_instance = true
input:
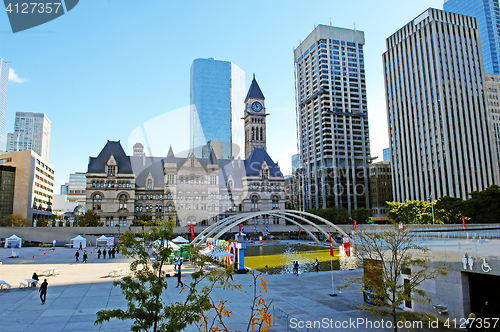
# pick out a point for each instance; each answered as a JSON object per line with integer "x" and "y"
{"x": 14, "y": 241}
{"x": 170, "y": 244}
{"x": 218, "y": 252}
{"x": 77, "y": 240}
{"x": 180, "y": 239}
{"x": 105, "y": 241}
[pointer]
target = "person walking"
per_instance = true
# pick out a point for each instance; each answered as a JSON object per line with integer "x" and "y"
{"x": 113, "y": 252}
{"x": 77, "y": 255}
{"x": 109, "y": 253}
{"x": 179, "y": 281}
{"x": 43, "y": 291}
{"x": 99, "y": 253}
{"x": 85, "y": 256}
{"x": 486, "y": 315}
{"x": 297, "y": 268}
{"x": 80, "y": 246}
{"x": 316, "y": 265}
{"x": 104, "y": 253}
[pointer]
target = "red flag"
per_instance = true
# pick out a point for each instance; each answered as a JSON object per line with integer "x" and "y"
{"x": 354, "y": 226}
{"x": 300, "y": 228}
{"x": 191, "y": 228}
{"x": 463, "y": 221}
{"x": 331, "y": 244}
{"x": 240, "y": 231}
{"x": 347, "y": 244}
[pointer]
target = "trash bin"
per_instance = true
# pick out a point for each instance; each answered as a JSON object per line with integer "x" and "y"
{"x": 368, "y": 296}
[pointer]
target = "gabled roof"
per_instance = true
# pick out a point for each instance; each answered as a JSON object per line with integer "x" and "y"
{"x": 170, "y": 157}
{"x": 115, "y": 149}
{"x": 255, "y": 160}
{"x": 254, "y": 91}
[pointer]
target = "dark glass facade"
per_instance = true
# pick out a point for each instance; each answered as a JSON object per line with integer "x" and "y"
{"x": 7, "y": 180}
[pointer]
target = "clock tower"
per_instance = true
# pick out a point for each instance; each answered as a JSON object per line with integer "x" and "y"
{"x": 255, "y": 119}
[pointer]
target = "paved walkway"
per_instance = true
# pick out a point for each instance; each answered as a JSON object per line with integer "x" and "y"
{"x": 80, "y": 290}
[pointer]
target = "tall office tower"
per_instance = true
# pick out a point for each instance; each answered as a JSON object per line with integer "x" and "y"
{"x": 31, "y": 131}
{"x": 492, "y": 92}
{"x": 4, "y": 82}
{"x": 218, "y": 94}
{"x": 487, "y": 13}
{"x": 333, "y": 118}
{"x": 438, "y": 126}
{"x": 295, "y": 162}
{"x": 387, "y": 154}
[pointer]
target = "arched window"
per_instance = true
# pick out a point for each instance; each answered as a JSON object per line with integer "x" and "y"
{"x": 123, "y": 201}
{"x": 96, "y": 202}
{"x": 261, "y": 134}
{"x": 230, "y": 185}
{"x": 138, "y": 208}
{"x": 191, "y": 180}
{"x": 93, "y": 184}
{"x": 128, "y": 184}
{"x": 181, "y": 180}
{"x": 275, "y": 203}
{"x": 255, "y": 202}
{"x": 149, "y": 184}
{"x": 253, "y": 133}
{"x": 158, "y": 208}
{"x": 202, "y": 180}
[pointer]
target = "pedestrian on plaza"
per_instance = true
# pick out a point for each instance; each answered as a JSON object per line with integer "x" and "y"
{"x": 43, "y": 291}
{"x": 80, "y": 246}
{"x": 229, "y": 274}
{"x": 472, "y": 323}
{"x": 297, "y": 268}
{"x": 34, "y": 277}
{"x": 109, "y": 253}
{"x": 487, "y": 316}
{"x": 316, "y": 264}
{"x": 179, "y": 281}
{"x": 113, "y": 252}
{"x": 104, "y": 253}
{"x": 77, "y": 255}
{"x": 85, "y": 256}
{"x": 267, "y": 273}
{"x": 99, "y": 253}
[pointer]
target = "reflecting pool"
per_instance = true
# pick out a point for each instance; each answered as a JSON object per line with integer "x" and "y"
{"x": 279, "y": 258}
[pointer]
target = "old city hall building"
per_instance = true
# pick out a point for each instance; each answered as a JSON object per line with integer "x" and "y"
{"x": 190, "y": 190}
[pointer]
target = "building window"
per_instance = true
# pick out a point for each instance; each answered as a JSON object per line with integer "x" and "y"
{"x": 275, "y": 203}
{"x": 138, "y": 208}
{"x": 255, "y": 202}
{"x": 149, "y": 184}
{"x": 265, "y": 174}
{"x": 96, "y": 202}
{"x": 192, "y": 163}
{"x": 230, "y": 185}
{"x": 123, "y": 201}
{"x": 111, "y": 170}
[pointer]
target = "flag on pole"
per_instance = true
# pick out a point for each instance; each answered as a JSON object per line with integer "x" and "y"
{"x": 255, "y": 228}
{"x": 300, "y": 228}
{"x": 191, "y": 228}
{"x": 463, "y": 221}
{"x": 354, "y": 226}
{"x": 267, "y": 229}
{"x": 240, "y": 230}
{"x": 331, "y": 244}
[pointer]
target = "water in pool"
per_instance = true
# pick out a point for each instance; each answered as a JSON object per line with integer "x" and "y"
{"x": 279, "y": 258}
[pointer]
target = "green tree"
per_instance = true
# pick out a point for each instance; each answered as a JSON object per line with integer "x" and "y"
{"x": 143, "y": 290}
{"x": 410, "y": 212}
{"x": 449, "y": 210}
{"x": 42, "y": 222}
{"x": 14, "y": 221}
{"x": 484, "y": 206}
{"x": 387, "y": 255}
{"x": 361, "y": 215}
{"x": 335, "y": 214}
{"x": 90, "y": 219}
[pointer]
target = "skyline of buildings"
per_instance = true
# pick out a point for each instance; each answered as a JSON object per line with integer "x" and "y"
{"x": 332, "y": 118}
{"x": 487, "y": 13}
{"x": 31, "y": 131}
{"x": 438, "y": 123}
{"x": 217, "y": 92}
{"x": 4, "y": 84}
{"x": 492, "y": 92}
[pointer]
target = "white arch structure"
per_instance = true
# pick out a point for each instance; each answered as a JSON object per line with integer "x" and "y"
{"x": 224, "y": 225}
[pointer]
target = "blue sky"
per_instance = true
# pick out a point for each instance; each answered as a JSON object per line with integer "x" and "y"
{"x": 108, "y": 66}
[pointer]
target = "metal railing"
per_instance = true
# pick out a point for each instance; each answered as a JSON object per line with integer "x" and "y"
{"x": 282, "y": 318}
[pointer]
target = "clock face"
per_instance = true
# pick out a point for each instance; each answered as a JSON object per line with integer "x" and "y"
{"x": 256, "y": 106}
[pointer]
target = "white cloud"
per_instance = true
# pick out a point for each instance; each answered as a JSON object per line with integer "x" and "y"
{"x": 14, "y": 78}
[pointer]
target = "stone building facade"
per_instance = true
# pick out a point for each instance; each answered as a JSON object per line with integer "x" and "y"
{"x": 190, "y": 190}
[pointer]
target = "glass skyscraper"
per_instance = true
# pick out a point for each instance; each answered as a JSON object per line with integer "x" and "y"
{"x": 4, "y": 82}
{"x": 217, "y": 99}
{"x": 31, "y": 132}
{"x": 487, "y": 13}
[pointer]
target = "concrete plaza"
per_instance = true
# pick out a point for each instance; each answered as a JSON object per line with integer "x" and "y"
{"x": 80, "y": 290}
